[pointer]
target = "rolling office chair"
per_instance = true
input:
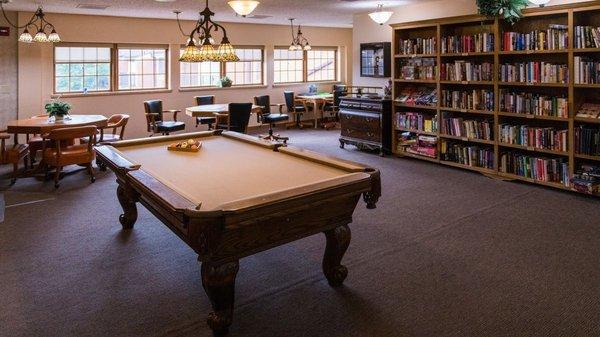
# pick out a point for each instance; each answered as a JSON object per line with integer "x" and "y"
{"x": 238, "y": 118}
{"x": 205, "y": 100}
{"x": 156, "y": 122}
{"x": 333, "y": 108}
{"x": 295, "y": 107}
{"x": 266, "y": 116}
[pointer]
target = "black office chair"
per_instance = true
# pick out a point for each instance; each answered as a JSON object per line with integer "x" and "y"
{"x": 333, "y": 108}
{"x": 295, "y": 107}
{"x": 156, "y": 122}
{"x": 340, "y": 87}
{"x": 205, "y": 100}
{"x": 239, "y": 117}
{"x": 266, "y": 116}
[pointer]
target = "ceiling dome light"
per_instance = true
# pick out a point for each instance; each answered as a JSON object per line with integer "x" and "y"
{"x": 540, "y": 3}
{"x": 380, "y": 16}
{"x": 243, "y": 7}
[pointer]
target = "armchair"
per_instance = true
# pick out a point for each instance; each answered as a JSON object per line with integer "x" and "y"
{"x": 57, "y": 153}
{"x": 13, "y": 155}
{"x": 333, "y": 108}
{"x": 155, "y": 121}
{"x": 266, "y": 116}
{"x": 114, "y": 122}
{"x": 238, "y": 117}
{"x": 295, "y": 106}
{"x": 205, "y": 100}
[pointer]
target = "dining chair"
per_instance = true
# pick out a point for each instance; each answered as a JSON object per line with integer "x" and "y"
{"x": 238, "y": 117}
{"x": 116, "y": 127}
{"x": 205, "y": 100}
{"x": 266, "y": 116}
{"x": 155, "y": 119}
{"x": 295, "y": 107}
{"x": 58, "y": 153}
{"x": 13, "y": 154}
{"x": 35, "y": 142}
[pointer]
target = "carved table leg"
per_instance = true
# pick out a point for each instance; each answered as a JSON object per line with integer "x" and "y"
{"x": 127, "y": 199}
{"x": 338, "y": 240}
{"x": 218, "y": 281}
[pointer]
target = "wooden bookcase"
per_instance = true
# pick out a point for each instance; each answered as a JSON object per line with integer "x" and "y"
{"x": 569, "y": 16}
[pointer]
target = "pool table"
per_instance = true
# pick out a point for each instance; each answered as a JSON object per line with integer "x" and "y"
{"x": 237, "y": 196}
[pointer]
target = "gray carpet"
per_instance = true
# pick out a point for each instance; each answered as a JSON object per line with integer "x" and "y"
{"x": 446, "y": 253}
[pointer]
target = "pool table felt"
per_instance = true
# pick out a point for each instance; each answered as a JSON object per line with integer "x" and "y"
{"x": 226, "y": 170}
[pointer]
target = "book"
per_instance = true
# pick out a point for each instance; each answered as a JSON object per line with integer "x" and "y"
{"x": 476, "y": 99}
{"x": 478, "y": 43}
{"x": 587, "y": 140}
{"x": 417, "y": 46}
{"x": 589, "y": 110}
{"x": 475, "y": 129}
{"x": 461, "y": 70}
{"x": 587, "y": 37}
{"x": 587, "y": 179}
{"x": 555, "y": 37}
{"x": 419, "y": 69}
{"x": 538, "y": 168}
{"x": 533, "y": 104}
{"x": 548, "y": 138}
{"x": 586, "y": 71}
{"x": 410, "y": 95}
{"x": 416, "y": 121}
{"x": 534, "y": 72}
{"x": 470, "y": 155}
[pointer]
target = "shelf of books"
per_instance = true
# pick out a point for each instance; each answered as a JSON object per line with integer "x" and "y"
{"x": 516, "y": 101}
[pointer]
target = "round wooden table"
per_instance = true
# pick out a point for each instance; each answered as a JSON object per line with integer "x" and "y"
{"x": 41, "y": 125}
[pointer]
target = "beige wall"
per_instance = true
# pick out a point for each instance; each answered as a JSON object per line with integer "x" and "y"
{"x": 365, "y": 30}
{"x": 36, "y": 62}
{"x": 8, "y": 72}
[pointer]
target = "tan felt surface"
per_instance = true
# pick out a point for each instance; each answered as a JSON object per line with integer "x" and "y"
{"x": 226, "y": 170}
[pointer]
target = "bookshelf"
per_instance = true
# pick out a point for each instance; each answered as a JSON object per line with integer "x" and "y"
{"x": 483, "y": 72}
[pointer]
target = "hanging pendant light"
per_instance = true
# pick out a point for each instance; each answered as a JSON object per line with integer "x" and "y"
{"x": 202, "y": 33}
{"x": 243, "y": 7}
{"x": 37, "y": 24}
{"x": 380, "y": 16}
{"x": 541, "y": 3}
{"x": 299, "y": 42}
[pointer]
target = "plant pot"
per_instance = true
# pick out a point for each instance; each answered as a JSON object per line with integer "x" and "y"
{"x": 59, "y": 117}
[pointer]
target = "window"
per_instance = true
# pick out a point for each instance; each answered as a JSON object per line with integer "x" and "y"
{"x": 288, "y": 66}
{"x": 248, "y": 70}
{"x": 142, "y": 68}
{"x": 321, "y": 65}
{"x": 80, "y": 69}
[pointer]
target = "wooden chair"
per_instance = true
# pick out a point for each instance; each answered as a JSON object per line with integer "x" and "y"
{"x": 13, "y": 154}
{"x": 238, "y": 117}
{"x": 205, "y": 100}
{"x": 295, "y": 107}
{"x": 156, "y": 122}
{"x": 57, "y": 153}
{"x": 114, "y": 122}
{"x": 35, "y": 142}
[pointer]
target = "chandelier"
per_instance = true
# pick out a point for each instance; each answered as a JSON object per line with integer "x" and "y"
{"x": 299, "y": 42}
{"x": 200, "y": 45}
{"x": 380, "y": 16}
{"x": 36, "y": 24}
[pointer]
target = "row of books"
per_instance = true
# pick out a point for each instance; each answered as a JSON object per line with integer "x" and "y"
{"x": 416, "y": 121}
{"x": 417, "y": 144}
{"x": 539, "y": 168}
{"x": 419, "y": 69}
{"x": 478, "y": 43}
{"x": 534, "y": 72}
{"x": 534, "y": 104}
{"x": 477, "y": 129}
{"x": 474, "y": 156}
{"x": 410, "y": 95}
{"x": 587, "y": 179}
{"x": 417, "y": 46}
{"x": 587, "y": 37}
{"x": 589, "y": 110}
{"x": 476, "y": 99}
{"x": 586, "y": 71}
{"x": 466, "y": 71}
{"x": 556, "y": 37}
{"x": 548, "y": 138}
{"x": 587, "y": 140}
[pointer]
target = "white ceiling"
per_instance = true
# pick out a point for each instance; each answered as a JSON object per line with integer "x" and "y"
{"x": 325, "y": 13}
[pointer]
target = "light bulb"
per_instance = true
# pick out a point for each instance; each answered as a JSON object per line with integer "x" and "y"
{"x": 243, "y": 7}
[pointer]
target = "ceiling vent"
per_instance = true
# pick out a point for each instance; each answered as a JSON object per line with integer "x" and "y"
{"x": 92, "y": 6}
{"x": 259, "y": 17}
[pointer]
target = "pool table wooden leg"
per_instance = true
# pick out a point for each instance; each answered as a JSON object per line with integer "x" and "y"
{"x": 218, "y": 281}
{"x": 338, "y": 240}
{"x": 127, "y": 198}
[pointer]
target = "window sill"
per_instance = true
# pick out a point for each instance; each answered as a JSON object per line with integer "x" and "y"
{"x": 188, "y": 89}
{"x": 111, "y": 93}
{"x": 303, "y": 83}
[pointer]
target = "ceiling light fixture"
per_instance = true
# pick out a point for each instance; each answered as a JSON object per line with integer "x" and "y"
{"x": 202, "y": 33}
{"x": 299, "y": 42}
{"x": 243, "y": 7}
{"x": 380, "y": 16}
{"x": 540, "y": 3}
{"x": 37, "y": 24}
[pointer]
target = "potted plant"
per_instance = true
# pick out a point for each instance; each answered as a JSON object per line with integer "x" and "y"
{"x": 509, "y": 10}
{"x": 226, "y": 82}
{"x": 58, "y": 109}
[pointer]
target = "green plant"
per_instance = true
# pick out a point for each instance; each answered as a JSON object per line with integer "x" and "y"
{"x": 226, "y": 82}
{"x": 509, "y": 10}
{"x": 57, "y": 108}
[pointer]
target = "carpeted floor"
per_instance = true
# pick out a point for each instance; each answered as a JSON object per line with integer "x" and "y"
{"x": 446, "y": 253}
